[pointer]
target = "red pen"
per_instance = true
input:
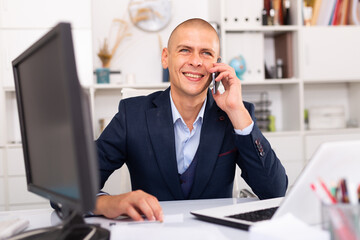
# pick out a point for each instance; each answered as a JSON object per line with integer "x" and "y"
{"x": 327, "y": 192}
{"x": 321, "y": 194}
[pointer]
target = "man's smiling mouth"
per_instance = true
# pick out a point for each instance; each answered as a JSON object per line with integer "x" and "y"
{"x": 192, "y": 75}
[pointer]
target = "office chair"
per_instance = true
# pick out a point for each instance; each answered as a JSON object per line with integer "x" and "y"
{"x": 119, "y": 181}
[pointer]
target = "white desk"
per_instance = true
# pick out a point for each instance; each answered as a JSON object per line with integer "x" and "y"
{"x": 176, "y": 213}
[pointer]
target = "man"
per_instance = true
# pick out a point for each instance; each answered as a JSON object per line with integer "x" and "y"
{"x": 185, "y": 142}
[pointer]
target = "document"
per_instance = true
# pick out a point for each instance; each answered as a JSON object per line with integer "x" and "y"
{"x": 163, "y": 232}
{"x": 287, "y": 227}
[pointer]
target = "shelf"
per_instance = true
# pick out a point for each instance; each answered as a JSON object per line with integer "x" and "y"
{"x": 267, "y": 30}
{"x": 332, "y": 131}
{"x": 9, "y": 88}
{"x": 13, "y": 145}
{"x": 327, "y": 81}
{"x": 137, "y": 86}
{"x": 330, "y": 27}
{"x": 282, "y": 133}
{"x": 272, "y": 81}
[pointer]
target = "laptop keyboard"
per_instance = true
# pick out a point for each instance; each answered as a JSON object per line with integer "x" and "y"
{"x": 255, "y": 216}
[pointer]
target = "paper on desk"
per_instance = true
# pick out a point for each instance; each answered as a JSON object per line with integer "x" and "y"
{"x": 287, "y": 227}
{"x": 174, "y": 218}
{"x": 162, "y": 232}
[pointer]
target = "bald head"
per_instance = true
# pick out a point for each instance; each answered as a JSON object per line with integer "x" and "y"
{"x": 196, "y": 23}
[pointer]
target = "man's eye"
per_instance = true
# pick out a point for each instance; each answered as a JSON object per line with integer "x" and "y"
{"x": 208, "y": 53}
{"x": 184, "y": 50}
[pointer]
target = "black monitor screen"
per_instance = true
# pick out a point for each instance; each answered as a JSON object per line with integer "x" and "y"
{"x": 55, "y": 122}
{"x": 47, "y": 110}
{"x": 56, "y": 132}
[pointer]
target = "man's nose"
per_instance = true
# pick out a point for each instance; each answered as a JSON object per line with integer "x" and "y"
{"x": 195, "y": 60}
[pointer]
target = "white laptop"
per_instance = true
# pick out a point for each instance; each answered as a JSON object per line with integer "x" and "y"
{"x": 331, "y": 162}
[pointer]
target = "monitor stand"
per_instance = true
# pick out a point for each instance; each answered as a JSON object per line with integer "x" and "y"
{"x": 73, "y": 228}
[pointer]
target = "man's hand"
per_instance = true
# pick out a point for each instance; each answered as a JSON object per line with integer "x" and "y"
{"x": 231, "y": 100}
{"x": 133, "y": 204}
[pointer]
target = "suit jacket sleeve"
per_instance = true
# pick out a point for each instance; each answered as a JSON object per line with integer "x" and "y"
{"x": 261, "y": 168}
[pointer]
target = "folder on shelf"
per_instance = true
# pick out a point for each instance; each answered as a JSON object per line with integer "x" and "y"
{"x": 284, "y": 51}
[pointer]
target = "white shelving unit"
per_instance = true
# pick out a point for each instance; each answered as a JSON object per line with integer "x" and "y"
{"x": 324, "y": 66}
{"x": 325, "y": 73}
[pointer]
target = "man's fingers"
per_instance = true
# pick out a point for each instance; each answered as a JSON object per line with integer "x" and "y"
{"x": 147, "y": 205}
{"x": 134, "y": 204}
{"x": 145, "y": 208}
{"x": 156, "y": 208}
{"x": 131, "y": 212}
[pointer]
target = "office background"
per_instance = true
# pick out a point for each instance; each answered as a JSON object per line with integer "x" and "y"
{"x": 315, "y": 100}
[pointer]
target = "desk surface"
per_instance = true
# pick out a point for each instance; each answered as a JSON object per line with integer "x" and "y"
{"x": 176, "y": 214}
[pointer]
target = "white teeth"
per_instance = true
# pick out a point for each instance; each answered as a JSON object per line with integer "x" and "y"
{"x": 192, "y": 75}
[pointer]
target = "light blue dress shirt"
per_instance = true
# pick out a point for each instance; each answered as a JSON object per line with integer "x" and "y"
{"x": 186, "y": 142}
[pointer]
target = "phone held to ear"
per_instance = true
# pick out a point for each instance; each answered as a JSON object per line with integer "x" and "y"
{"x": 214, "y": 75}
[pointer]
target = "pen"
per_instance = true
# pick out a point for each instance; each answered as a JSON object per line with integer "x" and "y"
{"x": 326, "y": 191}
{"x": 320, "y": 194}
{"x": 344, "y": 191}
{"x": 132, "y": 223}
{"x": 358, "y": 193}
{"x": 333, "y": 190}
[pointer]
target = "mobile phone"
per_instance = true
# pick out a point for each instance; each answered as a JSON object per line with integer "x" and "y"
{"x": 214, "y": 75}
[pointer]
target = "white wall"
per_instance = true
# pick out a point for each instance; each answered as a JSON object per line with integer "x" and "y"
{"x": 140, "y": 54}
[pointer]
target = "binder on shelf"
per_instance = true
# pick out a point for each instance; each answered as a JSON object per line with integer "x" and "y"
{"x": 284, "y": 50}
{"x": 251, "y": 47}
{"x": 243, "y": 13}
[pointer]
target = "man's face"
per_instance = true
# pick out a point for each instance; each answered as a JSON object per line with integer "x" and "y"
{"x": 190, "y": 55}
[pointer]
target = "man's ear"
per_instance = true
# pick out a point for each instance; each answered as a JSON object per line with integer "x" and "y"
{"x": 165, "y": 58}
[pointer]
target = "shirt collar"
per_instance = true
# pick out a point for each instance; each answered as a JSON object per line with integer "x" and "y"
{"x": 176, "y": 115}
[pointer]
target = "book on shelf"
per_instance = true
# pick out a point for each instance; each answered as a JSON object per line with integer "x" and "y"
{"x": 316, "y": 11}
{"x": 325, "y": 12}
{"x": 334, "y": 12}
{"x": 354, "y": 12}
{"x": 344, "y": 12}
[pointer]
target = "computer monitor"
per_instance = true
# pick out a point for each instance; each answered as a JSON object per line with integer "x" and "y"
{"x": 56, "y": 131}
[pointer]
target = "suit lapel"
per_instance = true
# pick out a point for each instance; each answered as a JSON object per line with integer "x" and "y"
{"x": 161, "y": 130}
{"x": 212, "y": 135}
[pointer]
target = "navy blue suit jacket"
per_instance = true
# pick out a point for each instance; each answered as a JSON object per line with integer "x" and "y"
{"x": 141, "y": 135}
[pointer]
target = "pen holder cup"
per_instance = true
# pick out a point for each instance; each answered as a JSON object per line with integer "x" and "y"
{"x": 341, "y": 220}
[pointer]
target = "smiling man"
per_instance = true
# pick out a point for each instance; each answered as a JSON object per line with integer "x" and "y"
{"x": 185, "y": 142}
